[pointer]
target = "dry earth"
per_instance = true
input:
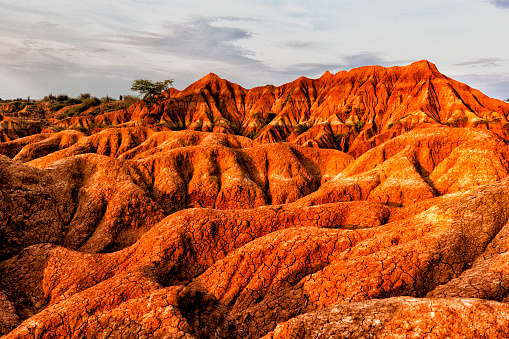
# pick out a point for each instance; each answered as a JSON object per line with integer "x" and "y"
{"x": 139, "y": 232}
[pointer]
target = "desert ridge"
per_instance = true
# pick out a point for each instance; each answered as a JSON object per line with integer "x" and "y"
{"x": 367, "y": 203}
{"x": 351, "y": 111}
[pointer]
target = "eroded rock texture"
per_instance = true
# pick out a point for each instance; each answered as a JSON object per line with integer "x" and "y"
{"x": 134, "y": 232}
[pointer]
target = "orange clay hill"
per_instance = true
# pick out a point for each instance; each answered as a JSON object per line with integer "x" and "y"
{"x": 372, "y": 203}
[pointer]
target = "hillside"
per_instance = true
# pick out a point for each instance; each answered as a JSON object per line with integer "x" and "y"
{"x": 351, "y": 111}
{"x": 369, "y": 203}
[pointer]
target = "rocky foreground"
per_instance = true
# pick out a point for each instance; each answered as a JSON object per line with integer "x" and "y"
{"x": 140, "y": 231}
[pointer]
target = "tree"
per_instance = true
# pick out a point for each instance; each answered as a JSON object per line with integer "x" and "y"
{"x": 149, "y": 88}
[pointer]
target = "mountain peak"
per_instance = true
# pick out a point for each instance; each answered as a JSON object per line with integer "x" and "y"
{"x": 211, "y": 77}
{"x": 423, "y": 65}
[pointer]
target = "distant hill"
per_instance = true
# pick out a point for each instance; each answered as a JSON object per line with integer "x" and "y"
{"x": 352, "y": 111}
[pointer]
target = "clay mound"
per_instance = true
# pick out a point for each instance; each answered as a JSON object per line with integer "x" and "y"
{"x": 351, "y": 111}
{"x": 33, "y": 149}
{"x": 110, "y": 142}
{"x": 196, "y": 234}
{"x": 241, "y": 273}
{"x": 167, "y": 141}
{"x": 401, "y": 317}
{"x": 11, "y": 148}
{"x": 419, "y": 165}
{"x": 12, "y": 128}
{"x": 98, "y": 203}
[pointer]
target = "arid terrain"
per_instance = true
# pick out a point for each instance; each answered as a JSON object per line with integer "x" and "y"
{"x": 371, "y": 203}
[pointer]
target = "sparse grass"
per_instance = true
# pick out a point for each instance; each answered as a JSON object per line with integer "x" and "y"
{"x": 264, "y": 118}
{"x": 62, "y": 97}
{"x": 359, "y": 125}
{"x": 252, "y": 135}
{"x": 288, "y": 97}
{"x": 338, "y": 137}
{"x": 221, "y": 120}
{"x": 301, "y": 128}
{"x": 106, "y": 99}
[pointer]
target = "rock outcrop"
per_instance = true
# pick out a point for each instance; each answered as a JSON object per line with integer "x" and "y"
{"x": 352, "y": 111}
{"x": 137, "y": 231}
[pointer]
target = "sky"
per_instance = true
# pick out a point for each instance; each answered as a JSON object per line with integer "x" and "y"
{"x": 100, "y": 47}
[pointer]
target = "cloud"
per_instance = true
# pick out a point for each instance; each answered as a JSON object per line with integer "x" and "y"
{"x": 482, "y": 62}
{"x": 349, "y": 61}
{"x": 197, "y": 39}
{"x": 366, "y": 59}
{"x": 500, "y": 3}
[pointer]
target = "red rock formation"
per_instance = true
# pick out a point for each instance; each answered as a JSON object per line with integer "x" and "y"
{"x": 401, "y": 317}
{"x": 12, "y": 128}
{"x": 352, "y": 111}
{"x": 137, "y": 230}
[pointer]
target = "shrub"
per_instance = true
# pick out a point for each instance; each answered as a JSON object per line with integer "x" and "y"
{"x": 301, "y": 128}
{"x": 268, "y": 119}
{"x": 359, "y": 124}
{"x": 129, "y": 100}
{"x": 338, "y": 137}
{"x": 252, "y": 135}
{"x": 57, "y": 107}
{"x": 264, "y": 118}
{"x": 220, "y": 120}
{"x": 288, "y": 97}
{"x": 62, "y": 97}
{"x": 88, "y": 103}
{"x": 48, "y": 97}
{"x": 72, "y": 101}
{"x": 84, "y": 96}
{"x": 106, "y": 99}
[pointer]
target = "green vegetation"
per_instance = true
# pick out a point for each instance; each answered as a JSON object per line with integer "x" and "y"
{"x": 62, "y": 98}
{"x": 149, "y": 88}
{"x": 218, "y": 121}
{"x": 301, "y": 128}
{"x": 359, "y": 124}
{"x": 106, "y": 99}
{"x": 252, "y": 135}
{"x": 264, "y": 118}
{"x": 288, "y": 97}
{"x": 338, "y": 137}
{"x": 72, "y": 101}
{"x": 129, "y": 100}
{"x": 19, "y": 105}
{"x": 89, "y": 103}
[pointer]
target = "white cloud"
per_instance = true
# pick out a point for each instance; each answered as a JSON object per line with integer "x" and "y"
{"x": 500, "y": 3}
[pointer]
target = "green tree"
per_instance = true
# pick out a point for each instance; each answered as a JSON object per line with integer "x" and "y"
{"x": 149, "y": 88}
